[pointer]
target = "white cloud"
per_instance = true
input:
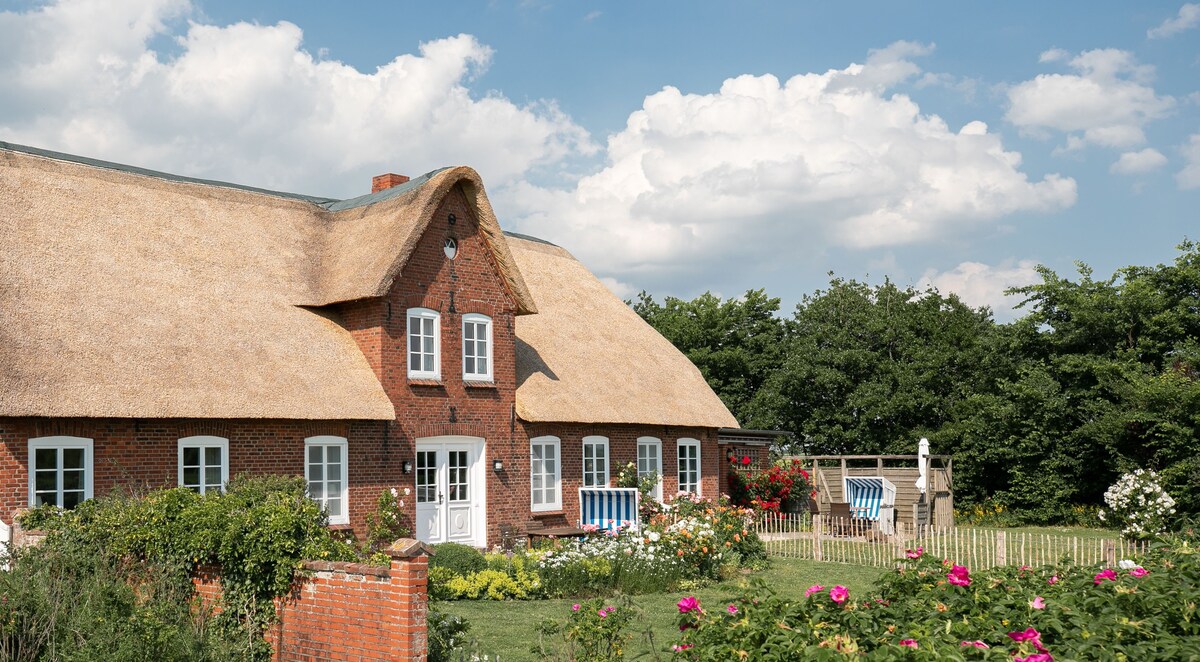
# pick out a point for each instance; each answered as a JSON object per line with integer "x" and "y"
{"x": 979, "y": 284}
{"x": 1053, "y": 55}
{"x": 1188, "y": 18}
{"x": 1189, "y": 177}
{"x": 765, "y": 174}
{"x": 1106, "y": 103}
{"x": 1134, "y": 163}
{"x": 247, "y": 103}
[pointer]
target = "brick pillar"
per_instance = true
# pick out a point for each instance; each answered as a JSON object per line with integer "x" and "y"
{"x": 409, "y": 580}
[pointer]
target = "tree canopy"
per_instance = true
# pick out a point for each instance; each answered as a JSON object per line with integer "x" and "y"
{"x": 1099, "y": 376}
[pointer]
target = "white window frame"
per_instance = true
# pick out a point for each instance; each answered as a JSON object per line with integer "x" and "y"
{"x": 325, "y": 441}
{"x": 688, "y": 442}
{"x": 203, "y": 441}
{"x": 476, "y": 318}
{"x": 657, "y": 444}
{"x": 595, "y": 440}
{"x": 60, "y": 443}
{"x": 556, "y": 443}
{"x": 423, "y": 314}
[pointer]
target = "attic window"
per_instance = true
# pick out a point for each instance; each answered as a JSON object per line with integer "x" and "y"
{"x": 450, "y": 247}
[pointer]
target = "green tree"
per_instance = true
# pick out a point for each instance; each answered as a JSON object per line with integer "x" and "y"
{"x": 736, "y": 343}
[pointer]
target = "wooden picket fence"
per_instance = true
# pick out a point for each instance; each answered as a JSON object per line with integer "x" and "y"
{"x": 822, "y": 538}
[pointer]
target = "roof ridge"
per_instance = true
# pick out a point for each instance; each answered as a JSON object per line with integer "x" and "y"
{"x": 329, "y": 204}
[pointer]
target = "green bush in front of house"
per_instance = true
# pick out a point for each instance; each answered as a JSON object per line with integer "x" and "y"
{"x": 141, "y": 549}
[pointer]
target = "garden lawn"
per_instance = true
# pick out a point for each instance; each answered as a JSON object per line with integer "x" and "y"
{"x": 509, "y": 629}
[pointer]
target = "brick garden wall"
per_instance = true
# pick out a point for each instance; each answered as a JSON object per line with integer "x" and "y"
{"x": 348, "y": 611}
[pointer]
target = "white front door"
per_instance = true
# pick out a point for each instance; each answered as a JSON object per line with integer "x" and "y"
{"x": 451, "y": 493}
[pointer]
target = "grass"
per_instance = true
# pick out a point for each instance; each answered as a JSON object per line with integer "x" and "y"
{"x": 508, "y": 629}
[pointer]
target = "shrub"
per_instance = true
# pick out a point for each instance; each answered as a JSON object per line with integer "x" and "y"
{"x": 385, "y": 524}
{"x": 256, "y": 532}
{"x": 445, "y": 634}
{"x": 934, "y": 609}
{"x": 461, "y": 559}
{"x": 768, "y": 490}
{"x": 594, "y": 631}
{"x": 1138, "y": 505}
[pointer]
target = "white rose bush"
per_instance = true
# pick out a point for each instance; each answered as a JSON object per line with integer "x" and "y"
{"x": 1138, "y": 504}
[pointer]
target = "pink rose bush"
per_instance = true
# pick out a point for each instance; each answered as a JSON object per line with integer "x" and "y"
{"x": 927, "y": 610}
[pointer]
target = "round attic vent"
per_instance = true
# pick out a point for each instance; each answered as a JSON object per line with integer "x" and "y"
{"x": 450, "y": 247}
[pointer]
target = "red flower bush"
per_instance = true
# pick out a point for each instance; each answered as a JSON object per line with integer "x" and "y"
{"x": 767, "y": 490}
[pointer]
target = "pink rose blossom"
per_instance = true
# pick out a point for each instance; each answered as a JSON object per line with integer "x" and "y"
{"x": 914, "y": 553}
{"x": 1036, "y": 657}
{"x": 815, "y": 588}
{"x": 1038, "y": 603}
{"x": 688, "y": 604}
{"x": 959, "y": 576}
{"x": 1108, "y": 574}
{"x": 731, "y": 609}
{"x": 679, "y": 648}
{"x": 1029, "y": 634}
{"x": 977, "y": 644}
{"x": 839, "y": 594}
{"x": 1053, "y": 580}
{"x": 575, "y": 607}
{"x": 911, "y": 643}
{"x": 1139, "y": 572}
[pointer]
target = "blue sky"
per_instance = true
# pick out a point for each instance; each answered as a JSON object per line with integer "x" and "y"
{"x": 673, "y": 147}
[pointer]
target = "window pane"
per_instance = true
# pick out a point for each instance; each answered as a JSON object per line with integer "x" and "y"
{"x": 72, "y": 499}
{"x": 45, "y": 480}
{"x": 316, "y": 472}
{"x": 191, "y": 456}
{"x": 314, "y": 454}
{"x": 212, "y": 456}
{"x": 46, "y": 458}
{"x": 469, "y": 331}
{"x": 72, "y": 458}
{"x": 414, "y": 326}
{"x": 333, "y": 506}
{"x": 191, "y": 476}
{"x": 333, "y": 454}
{"x": 42, "y": 498}
{"x": 481, "y": 366}
{"x": 316, "y": 491}
{"x": 212, "y": 476}
{"x": 72, "y": 480}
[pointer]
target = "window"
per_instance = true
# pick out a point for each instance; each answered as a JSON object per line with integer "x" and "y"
{"x": 689, "y": 465}
{"x": 595, "y": 462}
{"x": 423, "y": 344}
{"x": 649, "y": 461}
{"x": 203, "y": 463}
{"x": 60, "y": 471}
{"x": 544, "y": 474}
{"x": 477, "y": 347}
{"x": 326, "y": 472}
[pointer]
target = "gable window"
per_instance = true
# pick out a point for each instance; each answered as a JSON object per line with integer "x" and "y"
{"x": 204, "y": 463}
{"x": 477, "y": 347}
{"x": 326, "y": 471}
{"x": 60, "y": 471}
{"x": 689, "y": 465}
{"x": 423, "y": 344}
{"x": 545, "y": 477}
{"x": 649, "y": 461}
{"x": 595, "y": 461}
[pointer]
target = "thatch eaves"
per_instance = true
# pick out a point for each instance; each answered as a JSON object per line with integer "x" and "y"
{"x": 589, "y": 358}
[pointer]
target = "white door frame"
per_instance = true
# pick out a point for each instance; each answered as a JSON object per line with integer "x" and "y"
{"x": 443, "y": 520}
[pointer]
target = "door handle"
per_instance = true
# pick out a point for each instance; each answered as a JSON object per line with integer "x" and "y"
{"x": 439, "y": 497}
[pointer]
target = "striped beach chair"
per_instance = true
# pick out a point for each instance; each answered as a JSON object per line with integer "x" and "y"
{"x": 868, "y": 496}
{"x": 608, "y": 507}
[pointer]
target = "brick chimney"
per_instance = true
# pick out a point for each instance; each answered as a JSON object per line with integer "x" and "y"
{"x": 381, "y": 182}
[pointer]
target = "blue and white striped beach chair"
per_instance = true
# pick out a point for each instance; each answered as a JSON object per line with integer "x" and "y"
{"x": 608, "y": 507}
{"x": 868, "y": 496}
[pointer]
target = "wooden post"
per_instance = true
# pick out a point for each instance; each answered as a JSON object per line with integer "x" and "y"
{"x": 1001, "y": 548}
{"x": 1110, "y": 553}
{"x": 818, "y": 554}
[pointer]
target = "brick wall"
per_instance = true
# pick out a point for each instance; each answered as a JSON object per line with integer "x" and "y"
{"x": 347, "y": 611}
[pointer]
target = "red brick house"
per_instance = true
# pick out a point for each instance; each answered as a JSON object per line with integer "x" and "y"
{"x": 159, "y": 330}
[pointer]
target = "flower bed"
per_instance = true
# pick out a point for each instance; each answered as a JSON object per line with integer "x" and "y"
{"x": 692, "y": 540}
{"x": 936, "y": 609}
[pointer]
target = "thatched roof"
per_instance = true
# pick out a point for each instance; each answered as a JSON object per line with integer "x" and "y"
{"x": 587, "y": 357}
{"x": 127, "y": 293}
